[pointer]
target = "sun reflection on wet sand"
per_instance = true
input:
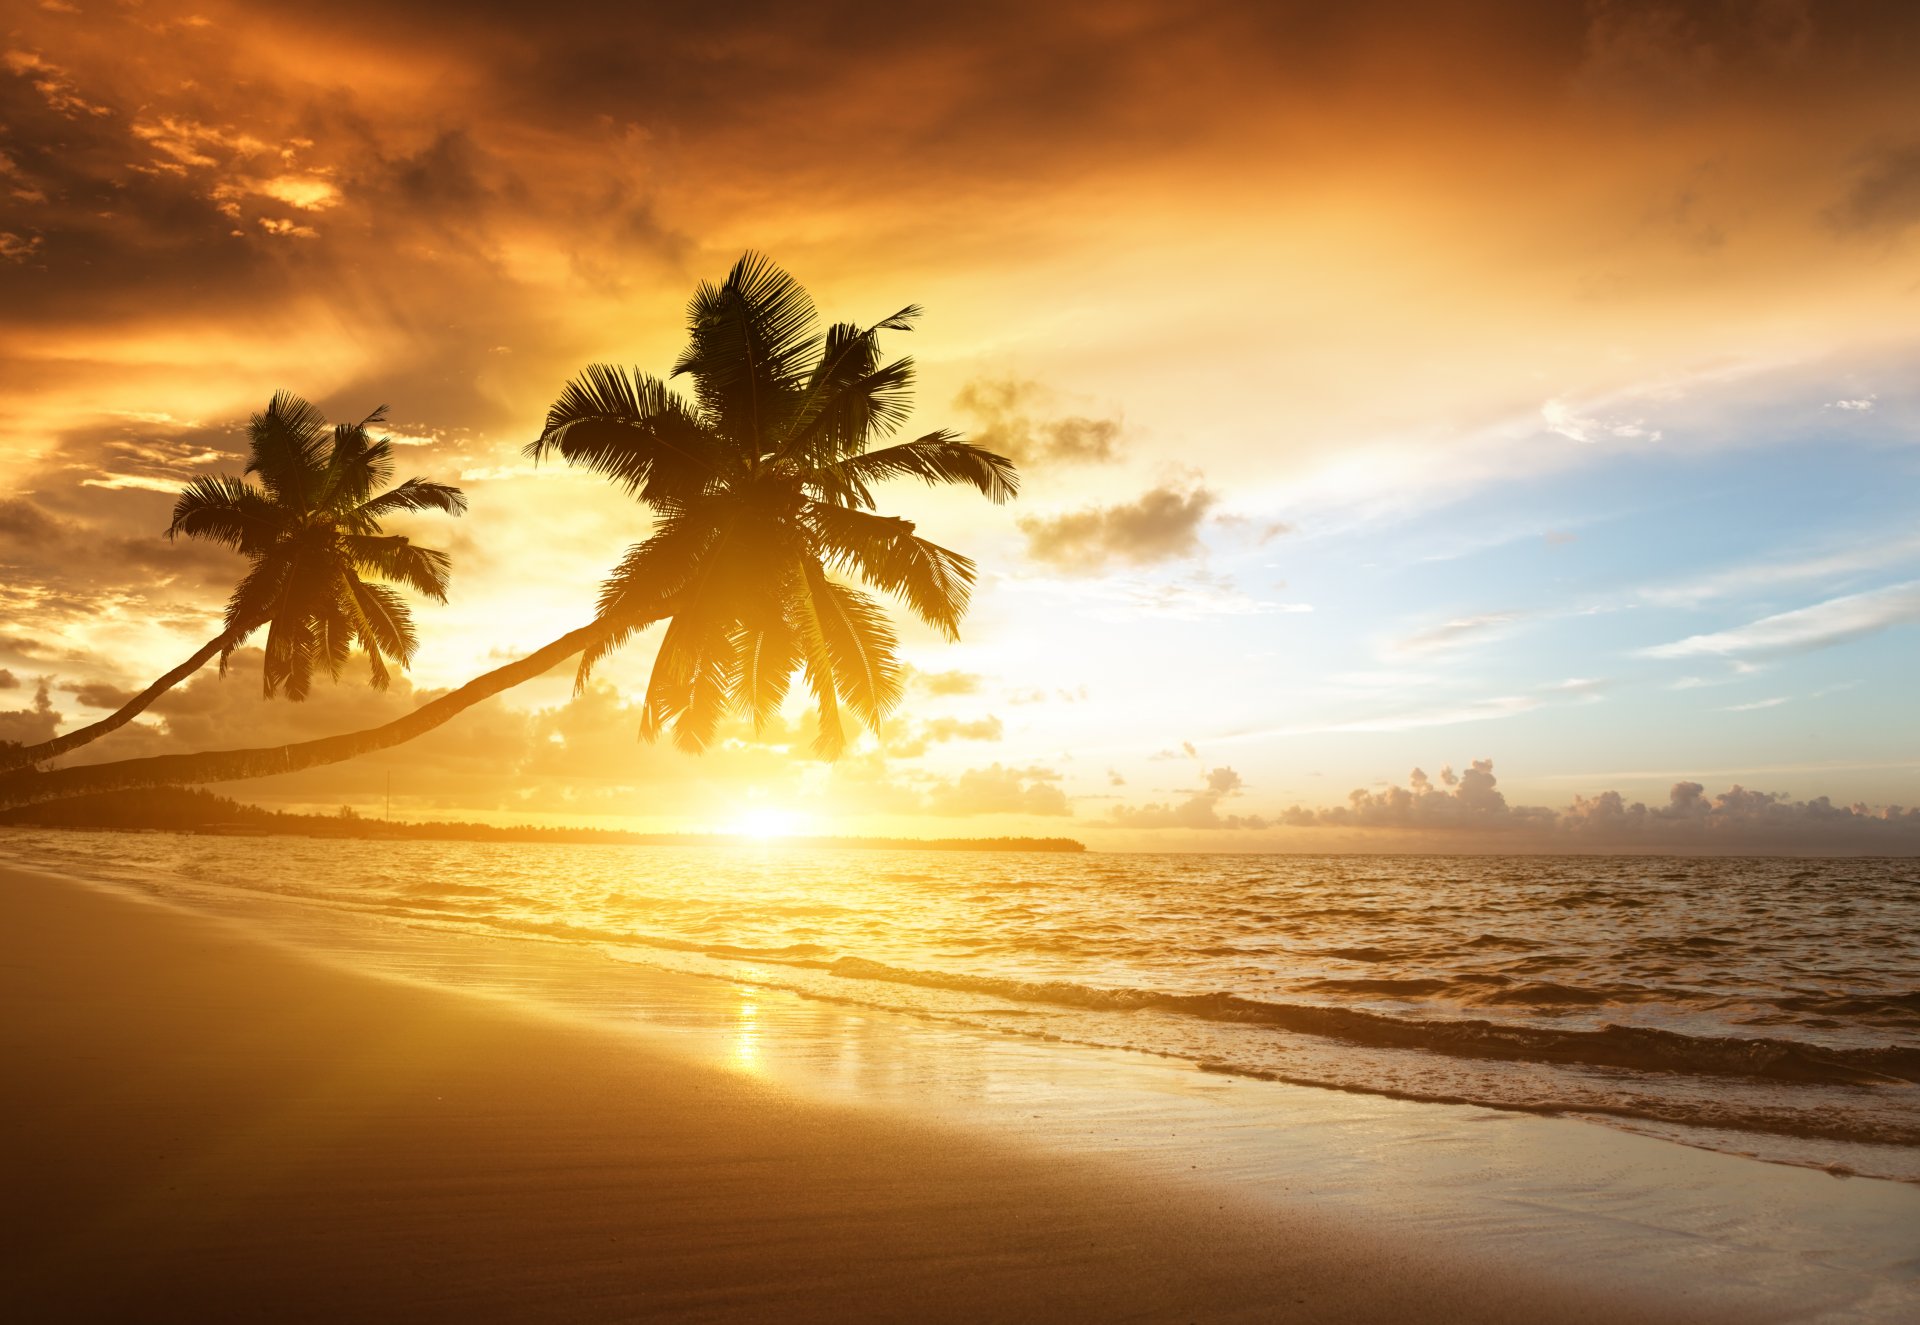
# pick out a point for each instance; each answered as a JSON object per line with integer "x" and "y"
{"x": 746, "y": 1032}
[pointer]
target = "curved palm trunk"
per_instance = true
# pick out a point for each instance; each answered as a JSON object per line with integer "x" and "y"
{"x": 27, "y": 786}
{"x": 120, "y": 717}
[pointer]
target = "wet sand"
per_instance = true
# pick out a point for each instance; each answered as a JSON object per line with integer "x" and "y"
{"x": 201, "y": 1126}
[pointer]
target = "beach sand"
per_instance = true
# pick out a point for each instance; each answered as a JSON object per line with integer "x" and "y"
{"x": 200, "y": 1126}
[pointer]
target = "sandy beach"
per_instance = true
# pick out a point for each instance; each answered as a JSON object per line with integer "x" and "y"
{"x": 200, "y": 1126}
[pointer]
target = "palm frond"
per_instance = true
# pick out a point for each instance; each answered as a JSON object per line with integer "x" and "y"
{"x": 763, "y": 671}
{"x": 289, "y": 655}
{"x": 396, "y": 558}
{"x": 252, "y": 603}
{"x": 416, "y": 494}
{"x": 634, "y": 430}
{"x": 334, "y": 632}
{"x": 860, "y": 642}
{"x": 676, "y": 675}
{"x": 849, "y": 415}
{"x": 938, "y": 457}
{"x": 748, "y": 341}
{"x": 935, "y": 582}
{"x": 226, "y": 510}
{"x": 712, "y": 681}
{"x": 287, "y": 449}
{"x": 645, "y": 586}
{"x": 382, "y": 623}
{"x": 357, "y": 465}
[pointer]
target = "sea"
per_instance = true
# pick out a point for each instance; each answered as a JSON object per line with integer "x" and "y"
{"x": 1768, "y": 1007}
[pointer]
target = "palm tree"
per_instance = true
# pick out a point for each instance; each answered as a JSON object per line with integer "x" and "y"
{"x": 309, "y": 524}
{"x": 762, "y": 487}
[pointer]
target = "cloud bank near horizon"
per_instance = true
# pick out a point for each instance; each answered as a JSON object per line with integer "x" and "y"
{"x": 1468, "y": 808}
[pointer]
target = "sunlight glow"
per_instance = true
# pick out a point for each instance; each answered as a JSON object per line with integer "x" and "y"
{"x": 763, "y": 822}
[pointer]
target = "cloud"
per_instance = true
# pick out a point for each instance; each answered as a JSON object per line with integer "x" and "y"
{"x": 51, "y": 82}
{"x": 1121, "y": 597}
{"x": 1200, "y": 809}
{"x": 1756, "y": 705}
{"x": 1007, "y": 424}
{"x": 100, "y": 695}
{"x": 1564, "y": 421}
{"x": 18, "y": 248}
{"x": 1457, "y": 633}
{"x": 1445, "y": 715}
{"x": 1161, "y": 525}
{"x": 953, "y": 682}
{"x": 939, "y": 731}
{"x": 30, "y": 726}
{"x": 1878, "y": 553}
{"x": 1821, "y": 626}
{"x": 999, "y": 790}
{"x": 8, "y": 681}
{"x": 1885, "y": 196}
{"x": 1470, "y": 800}
{"x": 1737, "y": 821}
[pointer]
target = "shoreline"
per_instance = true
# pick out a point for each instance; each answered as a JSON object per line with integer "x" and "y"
{"x": 206, "y": 1119}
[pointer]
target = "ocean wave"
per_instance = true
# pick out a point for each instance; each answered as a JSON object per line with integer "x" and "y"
{"x": 1632, "y": 1047}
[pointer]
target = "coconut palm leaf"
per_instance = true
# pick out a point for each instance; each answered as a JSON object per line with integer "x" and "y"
{"x": 416, "y": 494}
{"x": 938, "y": 457}
{"x": 748, "y": 342}
{"x": 634, "y": 430}
{"x": 935, "y": 582}
{"x": 226, "y": 510}
{"x": 427, "y": 571}
{"x": 288, "y": 450}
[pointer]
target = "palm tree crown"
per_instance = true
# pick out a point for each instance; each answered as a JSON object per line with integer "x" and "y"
{"x": 307, "y": 516}
{"x": 762, "y": 486}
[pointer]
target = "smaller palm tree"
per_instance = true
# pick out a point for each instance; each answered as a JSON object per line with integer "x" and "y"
{"x": 308, "y": 517}
{"x": 311, "y": 526}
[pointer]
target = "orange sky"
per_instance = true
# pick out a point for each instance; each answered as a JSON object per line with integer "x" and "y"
{"x": 1268, "y": 270}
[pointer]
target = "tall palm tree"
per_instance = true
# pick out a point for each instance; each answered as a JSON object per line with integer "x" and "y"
{"x": 308, "y": 520}
{"x": 762, "y": 486}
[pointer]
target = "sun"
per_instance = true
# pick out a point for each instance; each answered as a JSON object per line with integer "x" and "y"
{"x": 764, "y": 822}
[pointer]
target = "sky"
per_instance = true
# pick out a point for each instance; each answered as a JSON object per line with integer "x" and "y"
{"x": 1442, "y": 426}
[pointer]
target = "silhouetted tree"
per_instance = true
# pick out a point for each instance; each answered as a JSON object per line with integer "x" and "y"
{"x": 762, "y": 486}
{"x": 321, "y": 570}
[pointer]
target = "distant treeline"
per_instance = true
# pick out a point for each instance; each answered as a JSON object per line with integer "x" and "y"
{"x": 193, "y": 810}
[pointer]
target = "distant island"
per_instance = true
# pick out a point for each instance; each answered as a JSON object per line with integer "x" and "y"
{"x": 193, "y": 810}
